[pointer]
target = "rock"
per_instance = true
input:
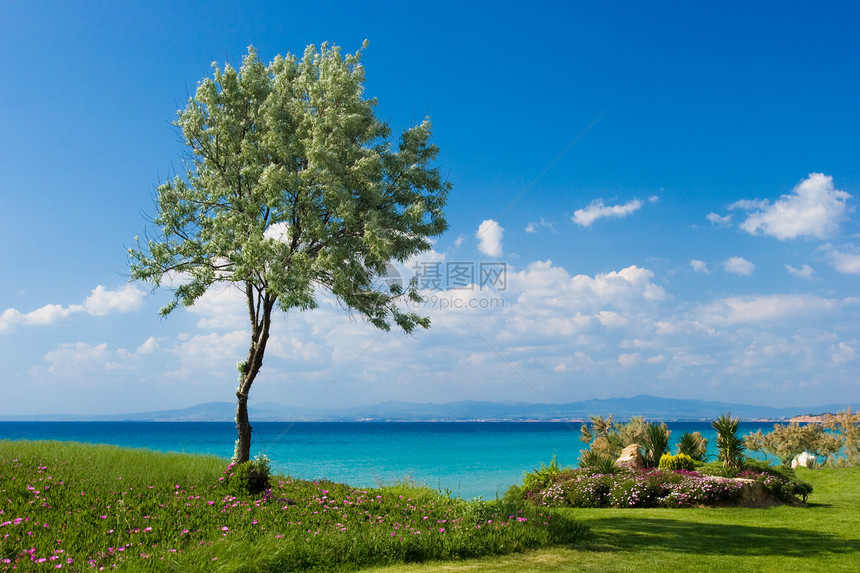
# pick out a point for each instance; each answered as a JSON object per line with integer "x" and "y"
{"x": 631, "y": 458}
{"x": 804, "y": 459}
{"x": 753, "y": 494}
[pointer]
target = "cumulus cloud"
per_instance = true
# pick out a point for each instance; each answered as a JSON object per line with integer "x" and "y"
{"x": 534, "y": 227}
{"x": 221, "y": 306}
{"x": 804, "y": 272}
{"x": 814, "y": 208}
{"x": 550, "y": 302}
{"x": 47, "y": 314}
{"x": 70, "y": 358}
{"x": 739, "y": 266}
{"x": 845, "y": 259}
{"x": 842, "y": 353}
{"x": 767, "y": 308}
{"x": 148, "y": 347}
{"x": 213, "y": 354}
{"x": 718, "y": 220}
{"x": 489, "y": 237}
{"x": 597, "y": 210}
{"x": 699, "y": 266}
{"x": 101, "y": 302}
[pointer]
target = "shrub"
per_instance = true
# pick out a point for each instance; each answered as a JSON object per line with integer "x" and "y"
{"x": 631, "y": 489}
{"x": 693, "y": 445}
{"x": 587, "y": 489}
{"x": 248, "y": 477}
{"x": 598, "y": 462}
{"x": 730, "y": 446}
{"x": 779, "y": 481}
{"x": 695, "y": 491}
{"x": 540, "y": 478}
{"x": 656, "y": 442}
{"x": 676, "y": 462}
{"x": 610, "y": 438}
{"x": 637, "y": 490}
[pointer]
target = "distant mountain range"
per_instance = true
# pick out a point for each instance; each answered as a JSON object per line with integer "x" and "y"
{"x": 651, "y": 407}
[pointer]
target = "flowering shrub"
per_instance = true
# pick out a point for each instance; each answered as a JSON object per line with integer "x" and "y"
{"x": 248, "y": 477}
{"x": 779, "y": 487}
{"x": 635, "y": 488}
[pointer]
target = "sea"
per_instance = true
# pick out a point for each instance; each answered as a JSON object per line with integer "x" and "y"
{"x": 465, "y": 459}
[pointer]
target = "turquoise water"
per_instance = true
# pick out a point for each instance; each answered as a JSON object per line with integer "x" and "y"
{"x": 468, "y": 459}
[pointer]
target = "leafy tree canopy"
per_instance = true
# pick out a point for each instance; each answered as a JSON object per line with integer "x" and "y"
{"x": 291, "y": 189}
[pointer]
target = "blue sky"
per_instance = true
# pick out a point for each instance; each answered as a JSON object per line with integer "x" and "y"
{"x": 672, "y": 189}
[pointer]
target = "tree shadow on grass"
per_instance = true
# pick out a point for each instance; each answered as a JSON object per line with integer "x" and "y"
{"x": 636, "y": 533}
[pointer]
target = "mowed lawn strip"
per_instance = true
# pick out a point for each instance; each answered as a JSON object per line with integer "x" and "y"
{"x": 825, "y": 536}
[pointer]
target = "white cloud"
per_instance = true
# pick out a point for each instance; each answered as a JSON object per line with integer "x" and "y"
{"x": 221, "y": 306}
{"x": 489, "y": 237}
{"x": 597, "y": 210}
{"x": 102, "y": 302}
{"x": 814, "y": 208}
{"x": 628, "y": 359}
{"x": 74, "y": 358}
{"x": 699, "y": 266}
{"x": 47, "y": 314}
{"x": 803, "y": 272}
{"x": 843, "y": 260}
{"x": 211, "y": 354}
{"x": 767, "y": 308}
{"x": 533, "y": 227}
{"x": 842, "y": 353}
{"x": 738, "y": 266}
{"x": 148, "y": 347}
{"x": 549, "y": 302}
{"x": 720, "y": 221}
{"x": 279, "y": 232}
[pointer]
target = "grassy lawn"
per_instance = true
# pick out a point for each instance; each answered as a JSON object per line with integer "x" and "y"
{"x": 825, "y": 536}
{"x": 86, "y": 508}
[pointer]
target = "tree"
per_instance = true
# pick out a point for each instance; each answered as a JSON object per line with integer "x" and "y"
{"x": 291, "y": 189}
{"x": 847, "y": 426}
{"x": 786, "y": 442}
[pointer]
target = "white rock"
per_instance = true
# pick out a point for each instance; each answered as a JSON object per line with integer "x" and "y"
{"x": 804, "y": 459}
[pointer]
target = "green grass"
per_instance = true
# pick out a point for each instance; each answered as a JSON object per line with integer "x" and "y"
{"x": 84, "y": 507}
{"x": 825, "y": 536}
{"x": 98, "y": 505}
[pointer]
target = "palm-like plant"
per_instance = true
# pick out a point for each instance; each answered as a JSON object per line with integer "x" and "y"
{"x": 693, "y": 445}
{"x": 656, "y": 442}
{"x": 598, "y": 462}
{"x": 731, "y": 447}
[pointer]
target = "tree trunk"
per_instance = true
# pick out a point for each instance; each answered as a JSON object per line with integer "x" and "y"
{"x": 242, "y": 453}
{"x": 260, "y": 311}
